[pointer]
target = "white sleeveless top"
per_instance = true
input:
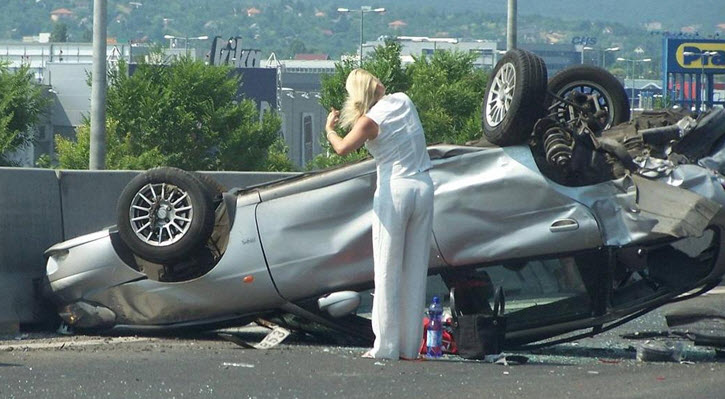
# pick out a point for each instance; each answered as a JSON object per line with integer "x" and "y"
{"x": 399, "y": 149}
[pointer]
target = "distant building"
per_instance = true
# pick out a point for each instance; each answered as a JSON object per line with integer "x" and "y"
{"x": 60, "y": 14}
{"x": 253, "y": 11}
{"x": 303, "y": 118}
{"x": 653, "y": 26}
{"x": 488, "y": 52}
{"x": 312, "y": 57}
{"x": 556, "y": 56}
{"x": 642, "y": 92}
{"x": 397, "y": 24}
{"x": 417, "y": 46}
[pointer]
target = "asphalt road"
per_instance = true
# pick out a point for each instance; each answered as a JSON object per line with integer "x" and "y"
{"x": 45, "y": 365}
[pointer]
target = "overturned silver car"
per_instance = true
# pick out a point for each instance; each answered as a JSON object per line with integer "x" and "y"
{"x": 586, "y": 220}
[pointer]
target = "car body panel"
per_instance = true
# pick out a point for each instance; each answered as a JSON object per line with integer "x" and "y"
{"x": 84, "y": 265}
{"x": 492, "y": 204}
{"x": 324, "y": 232}
{"x": 221, "y": 293}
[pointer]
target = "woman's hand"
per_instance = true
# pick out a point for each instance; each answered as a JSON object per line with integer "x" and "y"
{"x": 332, "y": 119}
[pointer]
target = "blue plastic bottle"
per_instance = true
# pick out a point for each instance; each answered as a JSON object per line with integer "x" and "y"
{"x": 435, "y": 329}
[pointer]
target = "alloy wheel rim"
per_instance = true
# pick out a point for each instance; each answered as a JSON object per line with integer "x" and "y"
{"x": 161, "y": 214}
{"x": 602, "y": 99}
{"x": 500, "y": 95}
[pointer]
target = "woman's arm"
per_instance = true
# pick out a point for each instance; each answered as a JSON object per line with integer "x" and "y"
{"x": 363, "y": 130}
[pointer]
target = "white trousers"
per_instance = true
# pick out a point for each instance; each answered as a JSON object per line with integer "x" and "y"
{"x": 402, "y": 232}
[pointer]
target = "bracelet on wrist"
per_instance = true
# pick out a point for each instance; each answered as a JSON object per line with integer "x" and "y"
{"x": 329, "y": 132}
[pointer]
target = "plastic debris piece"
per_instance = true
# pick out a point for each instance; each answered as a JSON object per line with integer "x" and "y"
{"x": 659, "y": 352}
{"x": 506, "y": 360}
{"x": 245, "y": 365}
{"x": 65, "y": 329}
{"x": 272, "y": 339}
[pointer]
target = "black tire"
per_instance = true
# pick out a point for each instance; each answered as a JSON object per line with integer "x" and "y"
{"x": 509, "y": 124}
{"x": 588, "y": 79}
{"x": 212, "y": 185}
{"x": 541, "y": 78}
{"x": 165, "y": 215}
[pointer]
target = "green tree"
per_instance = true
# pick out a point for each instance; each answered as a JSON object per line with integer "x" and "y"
{"x": 448, "y": 91}
{"x": 59, "y": 33}
{"x": 383, "y": 63}
{"x": 277, "y": 159}
{"x": 184, "y": 115}
{"x": 74, "y": 154}
{"x": 87, "y": 36}
{"x": 21, "y": 104}
{"x": 296, "y": 47}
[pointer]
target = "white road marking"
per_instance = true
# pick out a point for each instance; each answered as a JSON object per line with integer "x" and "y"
{"x": 66, "y": 344}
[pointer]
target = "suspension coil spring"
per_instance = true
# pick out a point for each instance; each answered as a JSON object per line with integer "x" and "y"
{"x": 558, "y": 145}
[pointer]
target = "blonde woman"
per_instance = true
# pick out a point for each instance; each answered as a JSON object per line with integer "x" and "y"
{"x": 389, "y": 127}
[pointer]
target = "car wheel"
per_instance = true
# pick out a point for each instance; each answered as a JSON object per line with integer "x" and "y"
{"x": 514, "y": 98}
{"x": 212, "y": 185}
{"x": 605, "y": 98}
{"x": 165, "y": 215}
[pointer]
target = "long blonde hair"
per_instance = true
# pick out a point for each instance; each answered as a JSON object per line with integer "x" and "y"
{"x": 361, "y": 86}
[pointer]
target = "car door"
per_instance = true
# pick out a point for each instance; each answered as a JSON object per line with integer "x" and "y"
{"x": 493, "y": 204}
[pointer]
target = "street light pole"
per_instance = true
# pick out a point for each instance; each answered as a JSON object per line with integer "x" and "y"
{"x": 633, "y": 61}
{"x": 604, "y": 55}
{"x": 585, "y": 48}
{"x": 362, "y": 32}
{"x": 97, "y": 156}
{"x": 362, "y": 11}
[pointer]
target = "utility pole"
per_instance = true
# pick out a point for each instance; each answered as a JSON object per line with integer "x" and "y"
{"x": 511, "y": 25}
{"x": 362, "y": 11}
{"x": 97, "y": 159}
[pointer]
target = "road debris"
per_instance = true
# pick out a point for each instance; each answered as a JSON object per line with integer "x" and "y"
{"x": 245, "y": 365}
{"x": 659, "y": 352}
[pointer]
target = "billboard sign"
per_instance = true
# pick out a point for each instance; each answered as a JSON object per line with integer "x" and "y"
{"x": 695, "y": 56}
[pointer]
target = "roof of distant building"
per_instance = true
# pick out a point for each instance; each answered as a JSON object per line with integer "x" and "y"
{"x": 61, "y": 11}
{"x": 643, "y": 84}
{"x": 253, "y": 11}
{"x": 397, "y": 23}
{"x": 311, "y": 57}
{"x": 309, "y": 65}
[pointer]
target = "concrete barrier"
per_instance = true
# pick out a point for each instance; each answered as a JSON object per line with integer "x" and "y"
{"x": 41, "y": 207}
{"x": 30, "y": 222}
{"x": 88, "y": 199}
